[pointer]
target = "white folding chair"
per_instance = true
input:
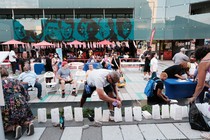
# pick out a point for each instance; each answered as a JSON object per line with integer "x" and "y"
{"x": 51, "y": 85}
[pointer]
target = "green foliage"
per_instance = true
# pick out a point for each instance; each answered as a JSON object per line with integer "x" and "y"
{"x": 147, "y": 108}
{"x": 87, "y": 111}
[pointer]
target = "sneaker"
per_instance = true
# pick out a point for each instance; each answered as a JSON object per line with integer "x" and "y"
{"x": 18, "y": 132}
{"x": 206, "y": 136}
{"x": 97, "y": 124}
{"x": 40, "y": 98}
{"x": 30, "y": 129}
{"x": 63, "y": 94}
{"x": 74, "y": 92}
{"x": 111, "y": 115}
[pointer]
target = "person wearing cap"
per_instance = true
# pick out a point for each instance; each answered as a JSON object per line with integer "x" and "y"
{"x": 180, "y": 57}
{"x": 147, "y": 56}
{"x": 178, "y": 71}
{"x": 64, "y": 76}
{"x": 103, "y": 81}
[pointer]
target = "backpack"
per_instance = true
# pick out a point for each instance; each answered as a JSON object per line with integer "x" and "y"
{"x": 150, "y": 87}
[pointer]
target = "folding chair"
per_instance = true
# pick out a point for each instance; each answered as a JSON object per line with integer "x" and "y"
{"x": 51, "y": 85}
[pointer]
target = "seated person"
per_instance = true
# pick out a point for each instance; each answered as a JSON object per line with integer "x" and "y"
{"x": 89, "y": 71}
{"x": 158, "y": 96}
{"x": 64, "y": 76}
{"x": 92, "y": 59}
{"x": 16, "y": 113}
{"x": 177, "y": 71}
{"x": 80, "y": 75}
{"x": 104, "y": 65}
{"x": 29, "y": 79}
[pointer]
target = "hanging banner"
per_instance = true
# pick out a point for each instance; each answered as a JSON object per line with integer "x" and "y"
{"x": 152, "y": 36}
{"x": 60, "y": 54}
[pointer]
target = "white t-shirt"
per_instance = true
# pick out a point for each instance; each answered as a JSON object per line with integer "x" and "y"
{"x": 207, "y": 78}
{"x": 11, "y": 56}
{"x": 154, "y": 65}
{"x": 97, "y": 78}
{"x": 29, "y": 77}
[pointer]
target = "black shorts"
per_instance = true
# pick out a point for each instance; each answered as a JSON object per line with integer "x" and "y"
{"x": 66, "y": 82}
{"x": 147, "y": 67}
{"x": 107, "y": 90}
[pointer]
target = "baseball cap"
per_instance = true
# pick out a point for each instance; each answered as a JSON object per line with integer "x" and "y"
{"x": 183, "y": 49}
{"x": 64, "y": 63}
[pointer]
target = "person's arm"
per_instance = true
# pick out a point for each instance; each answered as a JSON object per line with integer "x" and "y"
{"x": 116, "y": 92}
{"x": 180, "y": 77}
{"x": 106, "y": 98}
{"x": 201, "y": 79}
{"x": 162, "y": 96}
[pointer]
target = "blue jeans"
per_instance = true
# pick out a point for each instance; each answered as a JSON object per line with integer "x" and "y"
{"x": 37, "y": 85}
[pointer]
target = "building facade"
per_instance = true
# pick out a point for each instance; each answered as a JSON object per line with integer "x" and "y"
{"x": 94, "y": 20}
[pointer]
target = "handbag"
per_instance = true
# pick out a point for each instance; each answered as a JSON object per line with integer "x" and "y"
{"x": 88, "y": 89}
{"x": 197, "y": 120}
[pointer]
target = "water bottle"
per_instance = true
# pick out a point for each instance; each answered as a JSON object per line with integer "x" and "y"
{"x": 62, "y": 122}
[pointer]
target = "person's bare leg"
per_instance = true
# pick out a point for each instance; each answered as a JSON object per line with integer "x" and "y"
{"x": 62, "y": 85}
{"x": 82, "y": 101}
{"x": 110, "y": 106}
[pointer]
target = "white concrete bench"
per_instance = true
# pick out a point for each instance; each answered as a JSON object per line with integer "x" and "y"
{"x": 141, "y": 64}
{"x": 132, "y": 63}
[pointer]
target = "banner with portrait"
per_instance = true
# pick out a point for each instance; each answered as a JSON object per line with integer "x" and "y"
{"x": 95, "y": 29}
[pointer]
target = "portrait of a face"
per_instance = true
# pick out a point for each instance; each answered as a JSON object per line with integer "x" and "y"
{"x": 19, "y": 31}
{"x": 52, "y": 31}
{"x": 124, "y": 28}
{"x": 105, "y": 30}
{"x": 66, "y": 30}
{"x": 87, "y": 28}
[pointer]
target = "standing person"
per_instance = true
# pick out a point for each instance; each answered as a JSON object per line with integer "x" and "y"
{"x": 147, "y": 56}
{"x": 154, "y": 65}
{"x": 23, "y": 61}
{"x": 12, "y": 59}
{"x": 16, "y": 113}
{"x": 158, "y": 96}
{"x": 202, "y": 55}
{"x": 55, "y": 62}
{"x": 48, "y": 65}
{"x": 115, "y": 62}
{"x": 180, "y": 57}
{"x": 103, "y": 80}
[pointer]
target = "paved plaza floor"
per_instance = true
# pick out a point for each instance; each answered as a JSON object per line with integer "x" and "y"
{"x": 147, "y": 129}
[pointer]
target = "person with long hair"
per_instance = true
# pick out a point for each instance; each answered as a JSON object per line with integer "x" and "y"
{"x": 16, "y": 113}
{"x": 202, "y": 56}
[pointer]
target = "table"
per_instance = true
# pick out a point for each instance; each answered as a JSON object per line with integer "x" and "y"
{"x": 178, "y": 89}
{"x": 95, "y": 66}
{"x": 38, "y": 68}
{"x": 76, "y": 64}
